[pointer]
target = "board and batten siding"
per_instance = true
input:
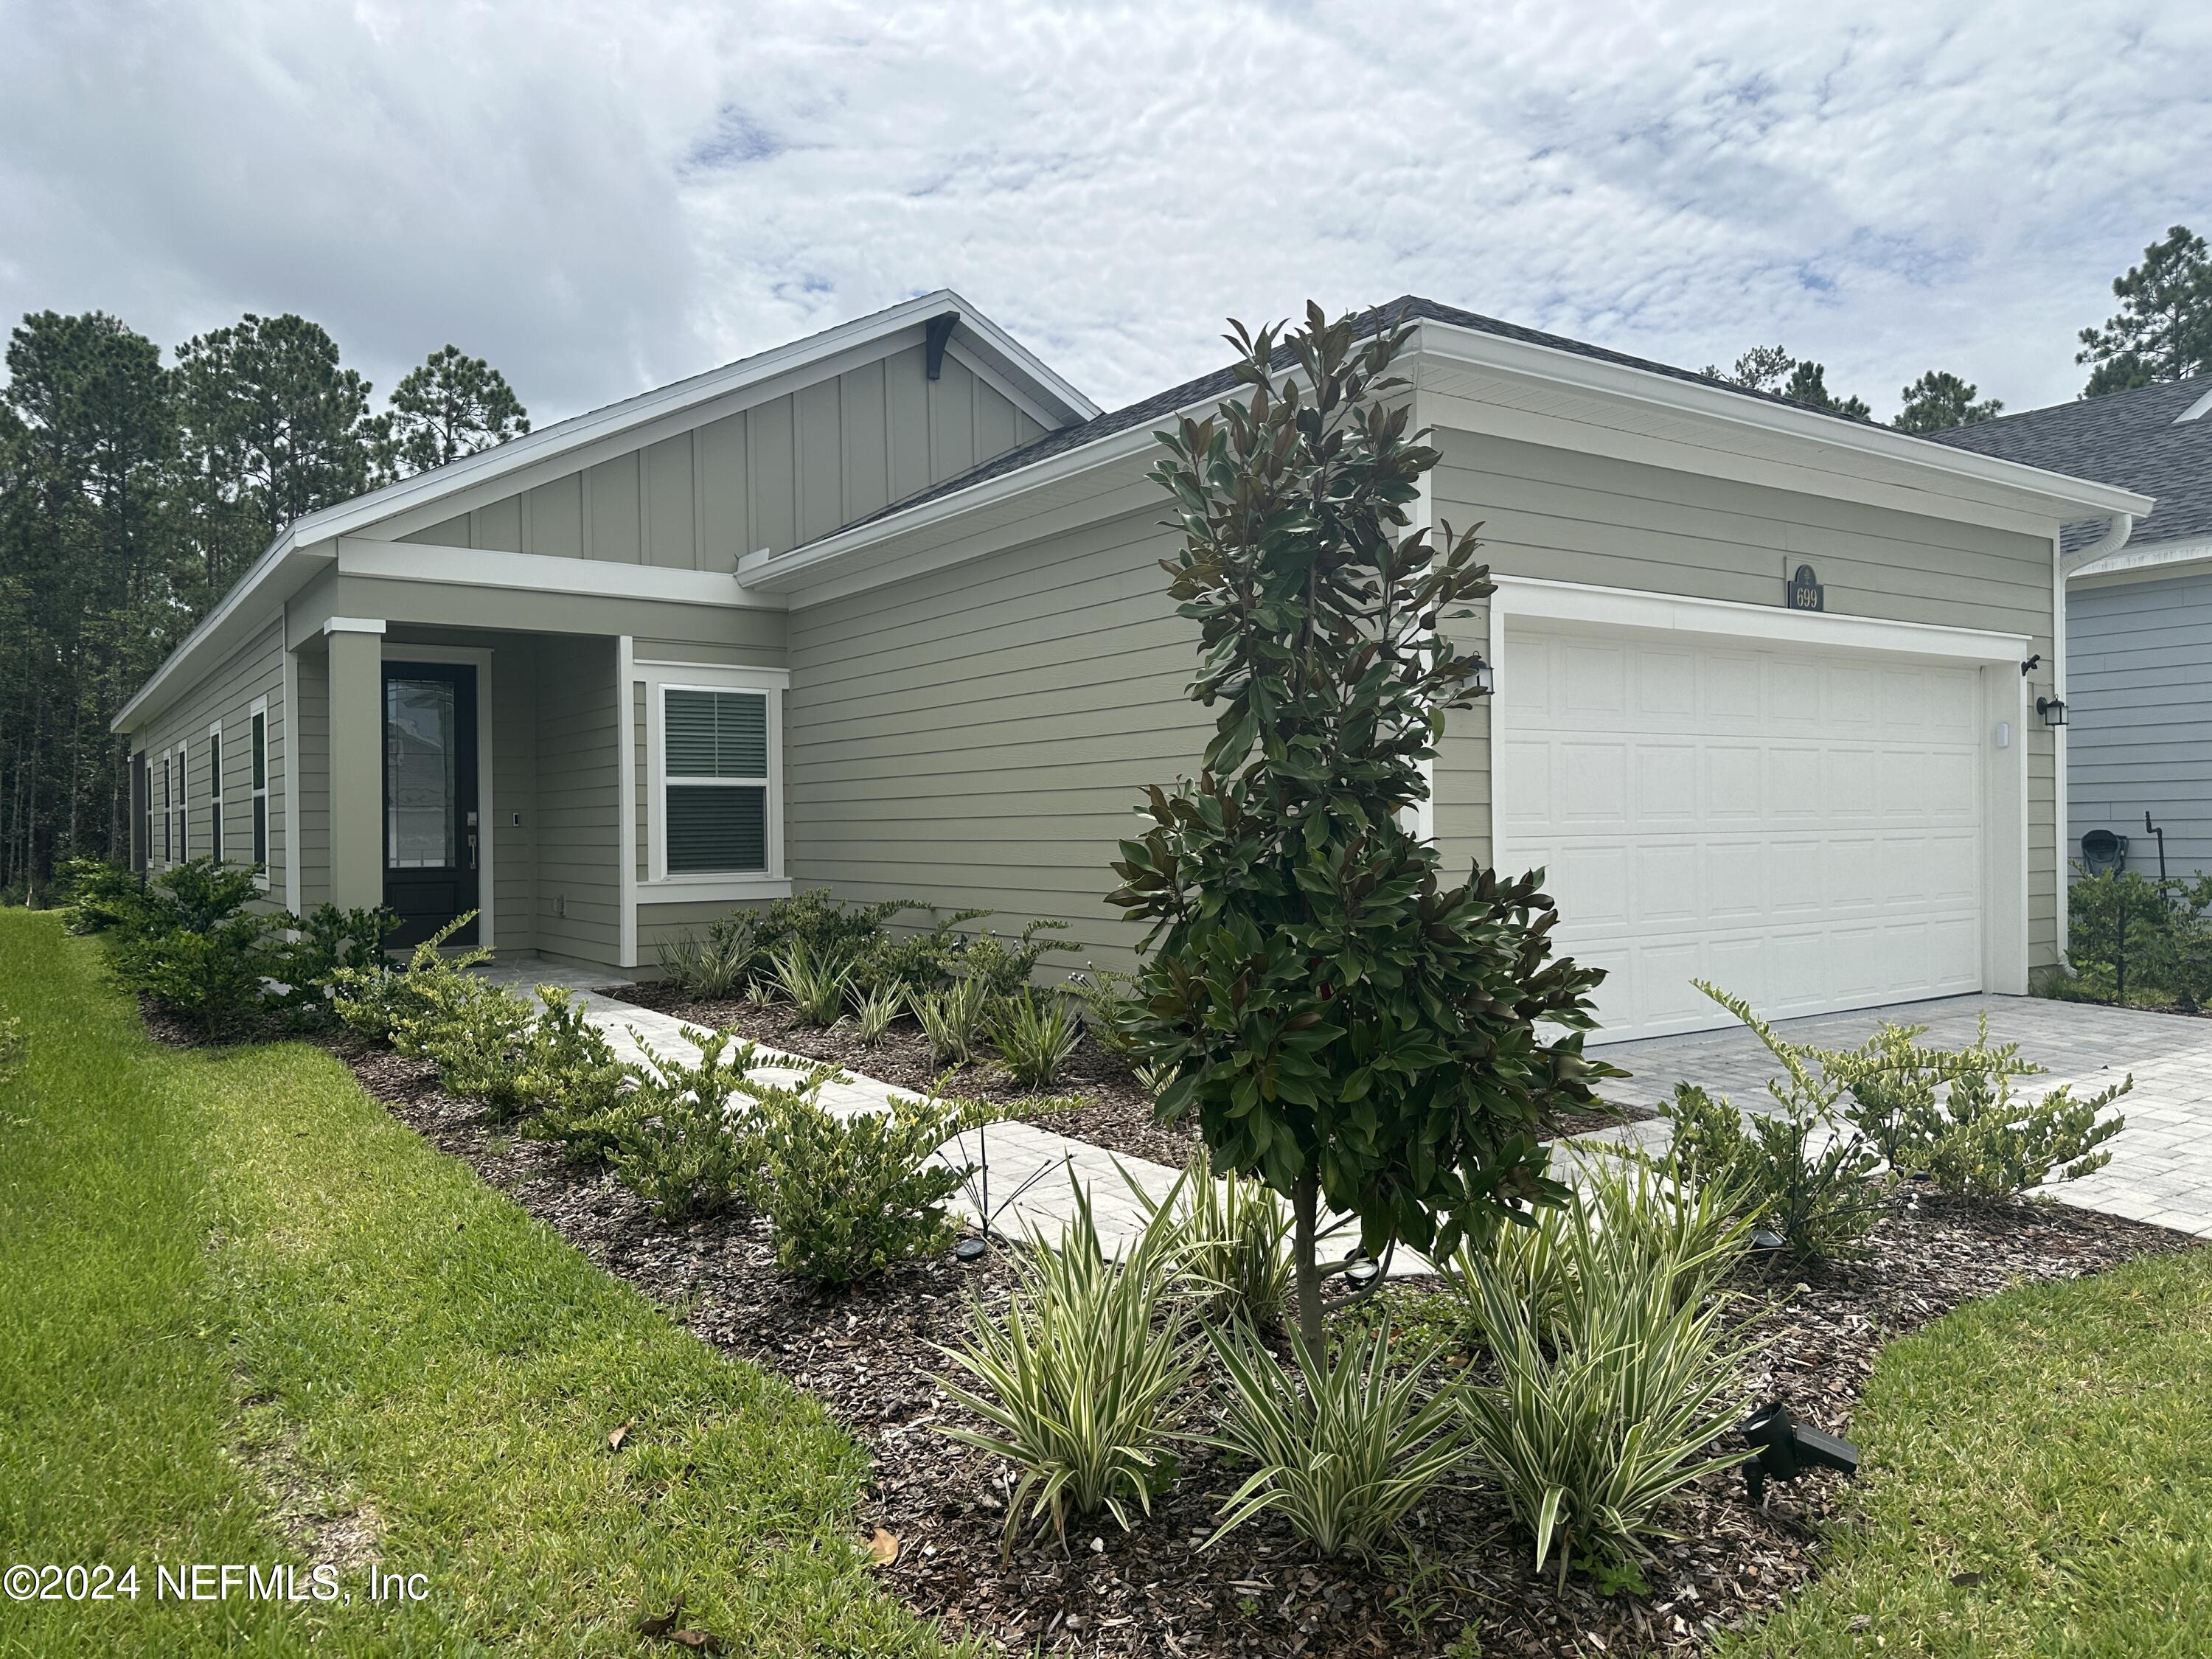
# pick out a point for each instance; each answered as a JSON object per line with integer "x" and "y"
{"x": 1567, "y": 516}
{"x": 2139, "y": 722}
{"x": 980, "y": 735}
{"x": 784, "y": 472}
{"x": 255, "y": 671}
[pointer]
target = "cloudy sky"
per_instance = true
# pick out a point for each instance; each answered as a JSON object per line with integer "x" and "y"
{"x": 602, "y": 196}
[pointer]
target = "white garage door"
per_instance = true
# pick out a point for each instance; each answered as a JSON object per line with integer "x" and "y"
{"x": 1804, "y": 828}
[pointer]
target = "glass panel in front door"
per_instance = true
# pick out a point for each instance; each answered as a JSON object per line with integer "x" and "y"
{"x": 421, "y": 730}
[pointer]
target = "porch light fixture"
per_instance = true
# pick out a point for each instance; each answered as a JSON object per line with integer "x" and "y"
{"x": 1486, "y": 677}
{"x": 1786, "y": 1449}
{"x": 2052, "y": 710}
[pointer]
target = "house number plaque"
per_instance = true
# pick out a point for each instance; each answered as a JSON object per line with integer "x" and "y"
{"x": 1803, "y": 591}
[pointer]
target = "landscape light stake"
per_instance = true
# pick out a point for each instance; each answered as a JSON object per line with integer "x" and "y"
{"x": 1787, "y": 1448}
{"x": 971, "y": 1249}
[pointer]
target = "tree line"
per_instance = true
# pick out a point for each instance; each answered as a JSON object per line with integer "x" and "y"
{"x": 2162, "y": 332}
{"x": 134, "y": 492}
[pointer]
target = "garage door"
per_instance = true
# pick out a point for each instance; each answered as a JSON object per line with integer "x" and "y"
{"x": 1803, "y": 828}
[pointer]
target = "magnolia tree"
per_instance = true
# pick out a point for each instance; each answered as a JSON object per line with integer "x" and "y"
{"x": 1345, "y": 1026}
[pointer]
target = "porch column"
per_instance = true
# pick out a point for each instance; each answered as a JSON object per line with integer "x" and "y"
{"x": 356, "y": 719}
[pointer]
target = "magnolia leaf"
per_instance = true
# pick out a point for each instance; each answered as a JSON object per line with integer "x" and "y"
{"x": 882, "y": 1548}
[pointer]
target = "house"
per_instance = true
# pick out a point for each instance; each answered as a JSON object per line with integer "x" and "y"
{"x": 2136, "y": 748}
{"x": 881, "y": 610}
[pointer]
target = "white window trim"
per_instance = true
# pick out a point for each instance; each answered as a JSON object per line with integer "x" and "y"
{"x": 184, "y": 803}
{"x": 258, "y": 799}
{"x": 169, "y": 824}
{"x": 217, "y": 847}
{"x": 659, "y": 679}
{"x": 2003, "y": 783}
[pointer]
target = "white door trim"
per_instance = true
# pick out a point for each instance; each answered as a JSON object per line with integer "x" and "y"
{"x": 2004, "y": 700}
{"x": 478, "y": 656}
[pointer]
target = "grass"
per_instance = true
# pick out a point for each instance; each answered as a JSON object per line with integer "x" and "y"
{"x": 2039, "y": 1482}
{"x": 248, "y": 1318}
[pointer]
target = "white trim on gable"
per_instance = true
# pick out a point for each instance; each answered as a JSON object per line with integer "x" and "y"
{"x": 544, "y": 572}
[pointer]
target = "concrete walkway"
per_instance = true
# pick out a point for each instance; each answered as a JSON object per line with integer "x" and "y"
{"x": 2162, "y": 1167}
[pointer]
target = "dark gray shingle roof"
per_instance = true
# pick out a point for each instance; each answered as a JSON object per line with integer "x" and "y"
{"x": 2125, "y": 438}
{"x": 1409, "y": 308}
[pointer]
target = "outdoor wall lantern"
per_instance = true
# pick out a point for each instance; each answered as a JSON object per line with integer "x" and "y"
{"x": 1486, "y": 677}
{"x": 2052, "y": 710}
{"x": 1787, "y": 1448}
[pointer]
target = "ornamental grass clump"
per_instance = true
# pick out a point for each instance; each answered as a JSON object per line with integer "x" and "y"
{"x": 1231, "y": 1252}
{"x": 848, "y": 1196}
{"x": 1617, "y": 1361}
{"x": 1034, "y": 1033}
{"x": 954, "y": 1019}
{"x": 1077, "y": 1379}
{"x": 815, "y": 982}
{"x": 1342, "y": 1448}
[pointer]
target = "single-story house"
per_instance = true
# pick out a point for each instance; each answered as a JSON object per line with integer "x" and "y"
{"x": 882, "y": 611}
{"x": 2138, "y": 668}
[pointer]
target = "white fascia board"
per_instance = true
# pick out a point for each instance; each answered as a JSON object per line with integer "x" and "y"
{"x": 275, "y": 577}
{"x": 2150, "y": 562}
{"x": 541, "y": 573}
{"x": 1477, "y": 350}
{"x": 1769, "y": 624}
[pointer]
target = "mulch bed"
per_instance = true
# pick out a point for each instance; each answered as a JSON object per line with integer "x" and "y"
{"x": 870, "y": 1358}
{"x": 1113, "y": 1111}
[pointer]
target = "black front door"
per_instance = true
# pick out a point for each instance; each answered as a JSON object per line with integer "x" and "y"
{"x": 430, "y": 829}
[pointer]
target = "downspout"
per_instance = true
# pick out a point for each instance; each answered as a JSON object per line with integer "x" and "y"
{"x": 2118, "y": 529}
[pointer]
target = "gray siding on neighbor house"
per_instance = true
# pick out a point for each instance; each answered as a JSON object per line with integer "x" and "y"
{"x": 772, "y": 477}
{"x": 1571, "y": 517}
{"x": 2139, "y": 702}
{"x": 980, "y": 735}
{"x": 255, "y": 670}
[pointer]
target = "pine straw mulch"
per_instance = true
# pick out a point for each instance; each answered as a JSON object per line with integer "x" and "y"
{"x": 1111, "y": 1111}
{"x": 870, "y": 1358}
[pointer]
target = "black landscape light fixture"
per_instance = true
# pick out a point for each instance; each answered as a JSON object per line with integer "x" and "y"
{"x": 2052, "y": 710}
{"x": 1787, "y": 1448}
{"x": 1362, "y": 1271}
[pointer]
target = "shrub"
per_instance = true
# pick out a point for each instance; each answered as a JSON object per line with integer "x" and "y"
{"x": 1612, "y": 1381}
{"x": 953, "y": 1020}
{"x": 1805, "y": 1172}
{"x": 923, "y": 961}
{"x": 848, "y": 1196}
{"x": 874, "y": 1011}
{"x": 1005, "y": 969}
{"x": 101, "y": 895}
{"x": 815, "y": 983}
{"x": 1230, "y": 1252}
{"x": 1108, "y": 1009}
{"x": 196, "y": 948}
{"x": 474, "y": 1031}
{"x": 1951, "y": 1116}
{"x": 831, "y": 932}
{"x": 1343, "y": 1447}
{"x": 1077, "y": 1379}
{"x": 1034, "y": 1034}
{"x": 682, "y": 1137}
{"x": 326, "y": 942}
{"x": 2133, "y": 939}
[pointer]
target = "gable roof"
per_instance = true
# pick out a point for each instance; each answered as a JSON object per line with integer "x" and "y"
{"x": 1052, "y": 400}
{"x": 1109, "y": 434}
{"x": 2144, "y": 440}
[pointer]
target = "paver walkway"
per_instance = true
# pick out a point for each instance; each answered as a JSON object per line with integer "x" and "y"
{"x": 2162, "y": 1167}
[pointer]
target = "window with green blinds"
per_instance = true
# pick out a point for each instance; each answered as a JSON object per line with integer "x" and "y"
{"x": 714, "y": 759}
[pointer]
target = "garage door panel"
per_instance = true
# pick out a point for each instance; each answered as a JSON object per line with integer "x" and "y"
{"x": 1804, "y": 828}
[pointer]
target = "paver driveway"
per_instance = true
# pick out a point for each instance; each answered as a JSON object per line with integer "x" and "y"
{"x": 2162, "y": 1167}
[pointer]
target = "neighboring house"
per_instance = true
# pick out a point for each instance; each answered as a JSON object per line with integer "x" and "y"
{"x": 883, "y": 610}
{"x": 2138, "y": 643}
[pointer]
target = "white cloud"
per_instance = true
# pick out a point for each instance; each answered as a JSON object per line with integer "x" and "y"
{"x": 601, "y": 196}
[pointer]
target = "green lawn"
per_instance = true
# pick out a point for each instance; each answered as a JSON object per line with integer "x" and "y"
{"x": 242, "y": 1311}
{"x": 2056, "y": 1441}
